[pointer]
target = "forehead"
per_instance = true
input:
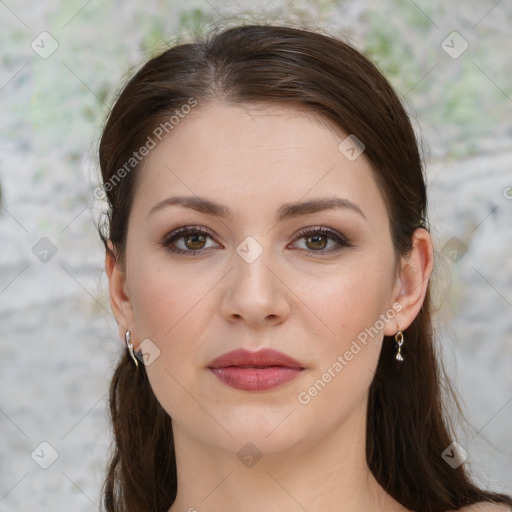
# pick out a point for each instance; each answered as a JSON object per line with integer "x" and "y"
{"x": 230, "y": 131}
{"x": 255, "y": 155}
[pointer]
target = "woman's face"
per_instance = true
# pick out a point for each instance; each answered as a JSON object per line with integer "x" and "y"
{"x": 247, "y": 280}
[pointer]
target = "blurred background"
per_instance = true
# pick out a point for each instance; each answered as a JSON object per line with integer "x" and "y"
{"x": 62, "y": 63}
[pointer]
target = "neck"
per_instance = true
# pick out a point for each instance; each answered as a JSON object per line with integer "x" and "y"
{"x": 331, "y": 474}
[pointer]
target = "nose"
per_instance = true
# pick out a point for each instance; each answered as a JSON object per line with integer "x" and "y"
{"x": 255, "y": 293}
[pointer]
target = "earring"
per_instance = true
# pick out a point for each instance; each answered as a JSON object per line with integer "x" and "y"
{"x": 399, "y": 338}
{"x": 128, "y": 337}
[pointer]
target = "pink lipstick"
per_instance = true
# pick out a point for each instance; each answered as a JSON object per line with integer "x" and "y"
{"x": 255, "y": 371}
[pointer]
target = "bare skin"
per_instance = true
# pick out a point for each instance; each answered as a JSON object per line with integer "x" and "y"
{"x": 195, "y": 307}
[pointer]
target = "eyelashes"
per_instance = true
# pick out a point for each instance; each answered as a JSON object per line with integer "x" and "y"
{"x": 198, "y": 235}
{"x": 340, "y": 240}
{"x": 186, "y": 232}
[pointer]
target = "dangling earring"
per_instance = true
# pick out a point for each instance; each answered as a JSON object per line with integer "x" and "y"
{"x": 399, "y": 338}
{"x": 128, "y": 337}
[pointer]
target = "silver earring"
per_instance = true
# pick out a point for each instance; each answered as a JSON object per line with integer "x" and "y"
{"x": 399, "y": 338}
{"x": 128, "y": 338}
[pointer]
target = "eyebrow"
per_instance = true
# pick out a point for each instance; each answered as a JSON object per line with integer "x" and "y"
{"x": 286, "y": 211}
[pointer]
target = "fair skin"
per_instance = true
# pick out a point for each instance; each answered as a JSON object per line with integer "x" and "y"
{"x": 195, "y": 307}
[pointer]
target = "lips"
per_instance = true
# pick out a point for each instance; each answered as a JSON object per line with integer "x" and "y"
{"x": 263, "y": 358}
{"x": 255, "y": 371}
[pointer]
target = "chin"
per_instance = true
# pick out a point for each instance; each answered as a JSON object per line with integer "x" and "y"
{"x": 262, "y": 430}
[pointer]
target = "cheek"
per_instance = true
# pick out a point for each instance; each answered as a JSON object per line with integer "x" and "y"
{"x": 345, "y": 362}
{"x": 350, "y": 299}
{"x": 170, "y": 310}
{"x": 166, "y": 300}
{"x": 353, "y": 308}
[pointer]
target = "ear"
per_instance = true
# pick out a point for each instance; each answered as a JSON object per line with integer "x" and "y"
{"x": 119, "y": 298}
{"x": 412, "y": 281}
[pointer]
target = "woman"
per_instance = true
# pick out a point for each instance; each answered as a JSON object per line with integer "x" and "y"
{"x": 269, "y": 261}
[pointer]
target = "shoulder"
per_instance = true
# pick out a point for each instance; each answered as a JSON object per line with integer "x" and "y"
{"x": 486, "y": 507}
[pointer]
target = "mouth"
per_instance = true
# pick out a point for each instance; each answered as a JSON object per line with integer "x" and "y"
{"x": 259, "y": 367}
{"x": 255, "y": 371}
{"x": 263, "y": 358}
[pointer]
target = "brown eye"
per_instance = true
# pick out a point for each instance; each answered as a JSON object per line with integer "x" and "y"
{"x": 196, "y": 241}
{"x": 317, "y": 239}
{"x": 187, "y": 240}
{"x": 317, "y": 242}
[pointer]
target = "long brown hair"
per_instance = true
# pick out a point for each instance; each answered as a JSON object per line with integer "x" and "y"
{"x": 408, "y": 426}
